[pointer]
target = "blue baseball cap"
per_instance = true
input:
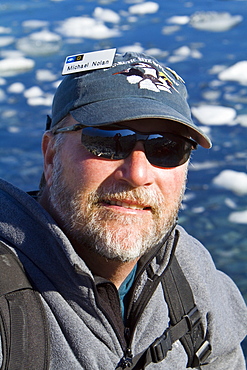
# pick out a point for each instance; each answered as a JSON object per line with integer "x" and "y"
{"x": 136, "y": 86}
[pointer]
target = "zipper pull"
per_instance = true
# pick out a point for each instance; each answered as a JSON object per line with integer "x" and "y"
{"x": 126, "y": 361}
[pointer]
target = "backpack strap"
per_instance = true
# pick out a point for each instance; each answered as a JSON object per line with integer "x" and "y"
{"x": 183, "y": 311}
{"x": 23, "y": 325}
{"x": 185, "y": 324}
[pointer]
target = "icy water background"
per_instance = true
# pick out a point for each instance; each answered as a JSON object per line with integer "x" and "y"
{"x": 204, "y": 41}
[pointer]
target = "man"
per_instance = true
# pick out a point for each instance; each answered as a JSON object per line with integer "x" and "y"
{"x": 101, "y": 245}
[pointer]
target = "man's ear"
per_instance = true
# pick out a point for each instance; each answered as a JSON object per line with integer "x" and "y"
{"x": 48, "y": 153}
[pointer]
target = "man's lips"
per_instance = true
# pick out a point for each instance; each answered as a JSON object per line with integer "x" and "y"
{"x": 127, "y": 204}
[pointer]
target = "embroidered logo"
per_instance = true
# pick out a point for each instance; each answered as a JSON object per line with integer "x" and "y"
{"x": 147, "y": 77}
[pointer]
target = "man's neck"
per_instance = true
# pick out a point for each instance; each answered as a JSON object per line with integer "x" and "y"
{"x": 114, "y": 271}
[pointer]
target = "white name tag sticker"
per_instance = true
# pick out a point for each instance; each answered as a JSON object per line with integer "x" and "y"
{"x": 88, "y": 61}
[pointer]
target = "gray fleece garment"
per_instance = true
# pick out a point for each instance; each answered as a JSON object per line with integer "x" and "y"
{"x": 80, "y": 333}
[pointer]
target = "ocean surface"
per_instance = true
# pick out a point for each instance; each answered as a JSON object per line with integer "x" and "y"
{"x": 204, "y": 41}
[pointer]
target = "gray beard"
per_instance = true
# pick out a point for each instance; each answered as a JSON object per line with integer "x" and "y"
{"x": 88, "y": 223}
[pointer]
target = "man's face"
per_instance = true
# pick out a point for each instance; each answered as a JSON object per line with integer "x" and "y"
{"x": 116, "y": 208}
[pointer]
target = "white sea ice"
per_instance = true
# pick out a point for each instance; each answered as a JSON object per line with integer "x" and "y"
{"x": 106, "y": 15}
{"x": 2, "y": 81}
{"x": 169, "y": 30}
{"x": 183, "y": 53}
{"x": 33, "y": 92}
{"x": 6, "y": 40}
{"x": 5, "y": 29}
{"x": 148, "y": 7}
{"x": 36, "y": 96}
{"x": 45, "y": 100}
{"x": 179, "y": 19}
{"x": 86, "y": 27}
{"x": 13, "y": 129}
{"x": 40, "y": 43}
{"x": 237, "y": 72}
{"x": 232, "y": 180}
{"x": 34, "y": 23}
{"x": 216, "y": 69}
{"x": 242, "y": 120}
{"x": 212, "y": 95}
{"x": 155, "y": 52}
{"x": 46, "y": 36}
{"x": 45, "y": 75}
{"x": 214, "y": 21}
{"x": 11, "y": 54}
{"x": 230, "y": 203}
{"x": 214, "y": 115}
{"x": 2, "y": 95}
{"x": 13, "y": 67}
{"x": 135, "y": 48}
{"x": 16, "y": 88}
{"x": 238, "y": 217}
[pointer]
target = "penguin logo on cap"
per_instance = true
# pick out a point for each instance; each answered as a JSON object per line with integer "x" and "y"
{"x": 147, "y": 77}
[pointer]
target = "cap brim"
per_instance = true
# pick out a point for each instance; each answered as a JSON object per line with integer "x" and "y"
{"x": 124, "y": 109}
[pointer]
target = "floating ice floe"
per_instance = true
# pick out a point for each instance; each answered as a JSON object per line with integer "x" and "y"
{"x": 183, "y": 53}
{"x": 230, "y": 203}
{"x": 2, "y": 81}
{"x": 179, "y": 19}
{"x": 214, "y": 21}
{"x": 36, "y": 96}
{"x": 45, "y": 75}
{"x": 106, "y": 15}
{"x": 148, "y": 7}
{"x": 6, "y": 40}
{"x": 237, "y": 72}
{"x": 45, "y": 100}
{"x": 137, "y": 48}
{"x": 238, "y": 217}
{"x": 214, "y": 115}
{"x": 168, "y": 30}
{"x": 212, "y": 95}
{"x": 155, "y": 52}
{"x": 5, "y": 29}
{"x": 16, "y": 88}
{"x": 242, "y": 120}
{"x": 34, "y": 23}
{"x": 86, "y": 27}
{"x": 233, "y": 181}
{"x": 40, "y": 43}
{"x": 33, "y": 92}
{"x": 2, "y": 95}
{"x": 15, "y": 66}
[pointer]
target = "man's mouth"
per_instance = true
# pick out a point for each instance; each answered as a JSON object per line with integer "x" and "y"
{"x": 127, "y": 205}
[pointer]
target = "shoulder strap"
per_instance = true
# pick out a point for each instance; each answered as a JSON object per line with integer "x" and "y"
{"x": 185, "y": 324}
{"x": 182, "y": 309}
{"x": 23, "y": 325}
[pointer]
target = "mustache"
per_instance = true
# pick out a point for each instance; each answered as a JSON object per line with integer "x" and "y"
{"x": 121, "y": 192}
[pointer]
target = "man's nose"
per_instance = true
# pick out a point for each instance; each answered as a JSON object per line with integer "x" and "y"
{"x": 136, "y": 170}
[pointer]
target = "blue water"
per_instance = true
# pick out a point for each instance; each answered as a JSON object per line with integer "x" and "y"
{"x": 207, "y": 207}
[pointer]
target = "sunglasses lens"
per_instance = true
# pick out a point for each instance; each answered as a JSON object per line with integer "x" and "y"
{"x": 110, "y": 144}
{"x": 163, "y": 151}
{"x": 167, "y": 151}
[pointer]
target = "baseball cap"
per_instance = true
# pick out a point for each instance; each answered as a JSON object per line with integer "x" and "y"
{"x": 135, "y": 86}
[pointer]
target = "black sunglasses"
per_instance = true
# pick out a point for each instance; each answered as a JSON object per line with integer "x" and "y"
{"x": 161, "y": 149}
